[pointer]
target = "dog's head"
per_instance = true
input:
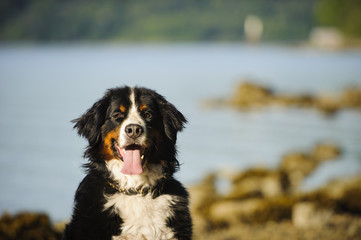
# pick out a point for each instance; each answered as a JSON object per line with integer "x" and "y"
{"x": 135, "y": 126}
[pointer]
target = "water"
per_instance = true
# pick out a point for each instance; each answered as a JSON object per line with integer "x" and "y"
{"x": 43, "y": 87}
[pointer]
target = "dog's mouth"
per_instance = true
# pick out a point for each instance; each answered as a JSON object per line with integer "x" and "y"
{"x": 132, "y": 157}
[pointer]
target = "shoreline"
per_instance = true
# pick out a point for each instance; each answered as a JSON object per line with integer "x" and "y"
{"x": 261, "y": 204}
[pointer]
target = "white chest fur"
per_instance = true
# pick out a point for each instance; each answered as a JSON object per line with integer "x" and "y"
{"x": 144, "y": 217}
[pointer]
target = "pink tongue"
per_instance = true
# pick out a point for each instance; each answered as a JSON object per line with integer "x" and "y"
{"x": 132, "y": 162}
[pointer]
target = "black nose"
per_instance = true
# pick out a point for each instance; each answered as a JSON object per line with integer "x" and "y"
{"x": 134, "y": 130}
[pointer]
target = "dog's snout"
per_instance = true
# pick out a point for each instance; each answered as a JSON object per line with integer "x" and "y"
{"x": 134, "y": 130}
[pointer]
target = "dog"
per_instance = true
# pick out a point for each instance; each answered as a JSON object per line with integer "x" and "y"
{"x": 129, "y": 191}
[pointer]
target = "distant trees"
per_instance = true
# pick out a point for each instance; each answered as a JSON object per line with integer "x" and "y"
{"x": 167, "y": 20}
{"x": 343, "y": 14}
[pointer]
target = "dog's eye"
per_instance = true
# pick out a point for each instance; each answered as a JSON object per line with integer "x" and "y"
{"x": 117, "y": 115}
{"x": 148, "y": 115}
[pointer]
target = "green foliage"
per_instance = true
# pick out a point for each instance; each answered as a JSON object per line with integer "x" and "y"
{"x": 343, "y": 14}
{"x": 160, "y": 20}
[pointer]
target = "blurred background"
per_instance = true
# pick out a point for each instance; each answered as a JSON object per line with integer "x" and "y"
{"x": 261, "y": 82}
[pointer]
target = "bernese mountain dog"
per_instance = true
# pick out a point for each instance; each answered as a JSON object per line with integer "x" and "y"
{"x": 129, "y": 191}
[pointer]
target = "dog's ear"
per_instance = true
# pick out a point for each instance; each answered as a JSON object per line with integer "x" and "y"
{"x": 90, "y": 123}
{"x": 173, "y": 120}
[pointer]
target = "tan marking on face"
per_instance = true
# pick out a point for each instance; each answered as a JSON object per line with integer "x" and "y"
{"x": 142, "y": 107}
{"x": 122, "y": 108}
{"x": 107, "y": 150}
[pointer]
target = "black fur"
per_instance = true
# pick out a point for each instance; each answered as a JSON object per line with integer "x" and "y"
{"x": 89, "y": 219}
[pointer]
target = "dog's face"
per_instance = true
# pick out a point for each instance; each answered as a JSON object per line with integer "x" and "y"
{"x": 134, "y": 126}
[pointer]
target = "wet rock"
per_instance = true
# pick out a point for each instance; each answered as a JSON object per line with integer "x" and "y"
{"x": 354, "y": 230}
{"x": 345, "y": 194}
{"x": 323, "y": 151}
{"x": 202, "y": 196}
{"x": 294, "y": 101}
{"x": 339, "y": 227}
{"x": 274, "y": 210}
{"x": 298, "y": 162}
{"x": 350, "y": 201}
{"x": 27, "y": 226}
{"x": 351, "y": 98}
{"x": 298, "y": 166}
{"x": 258, "y": 183}
{"x": 266, "y": 204}
{"x": 231, "y": 212}
{"x": 59, "y": 227}
{"x": 260, "y": 197}
{"x": 251, "y": 211}
{"x": 248, "y": 95}
{"x": 309, "y": 215}
{"x": 319, "y": 198}
{"x": 327, "y": 104}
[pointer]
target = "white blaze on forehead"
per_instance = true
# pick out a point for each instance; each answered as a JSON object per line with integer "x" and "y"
{"x": 133, "y": 117}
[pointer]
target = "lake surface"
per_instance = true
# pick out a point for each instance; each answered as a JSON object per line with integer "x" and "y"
{"x": 44, "y": 87}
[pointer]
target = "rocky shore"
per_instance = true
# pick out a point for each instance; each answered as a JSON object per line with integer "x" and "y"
{"x": 259, "y": 204}
{"x": 249, "y": 96}
{"x": 29, "y": 226}
{"x": 268, "y": 204}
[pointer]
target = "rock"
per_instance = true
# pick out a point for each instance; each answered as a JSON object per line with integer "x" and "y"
{"x": 322, "y": 152}
{"x": 351, "y": 98}
{"x": 354, "y": 230}
{"x": 337, "y": 189}
{"x": 60, "y": 226}
{"x": 327, "y": 104}
{"x": 274, "y": 210}
{"x": 308, "y": 215}
{"x": 251, "y": 211}
{"x": 343, "y": 196}
{"x": 258, "y": 183}
{"x": 298, "y": 166}
{"x": 339, "y": 227}
{"x": 231, "y": 212}
{"x": 272, "y": 185}
{"x": 27, "y": 226}
{"x": 293, "y": 101}
{"x": 351, "y": 200}
{"x": 249, "y": 95}
{"x": 319, "y": 198}
{"x": 202, "y": 196}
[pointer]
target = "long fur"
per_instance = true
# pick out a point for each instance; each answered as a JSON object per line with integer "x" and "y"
{"x": 101, "y": 211}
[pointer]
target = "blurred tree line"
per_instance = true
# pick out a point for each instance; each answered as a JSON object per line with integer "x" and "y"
{"x": 171, "y": 20}
{"x": 342, "y": 14}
